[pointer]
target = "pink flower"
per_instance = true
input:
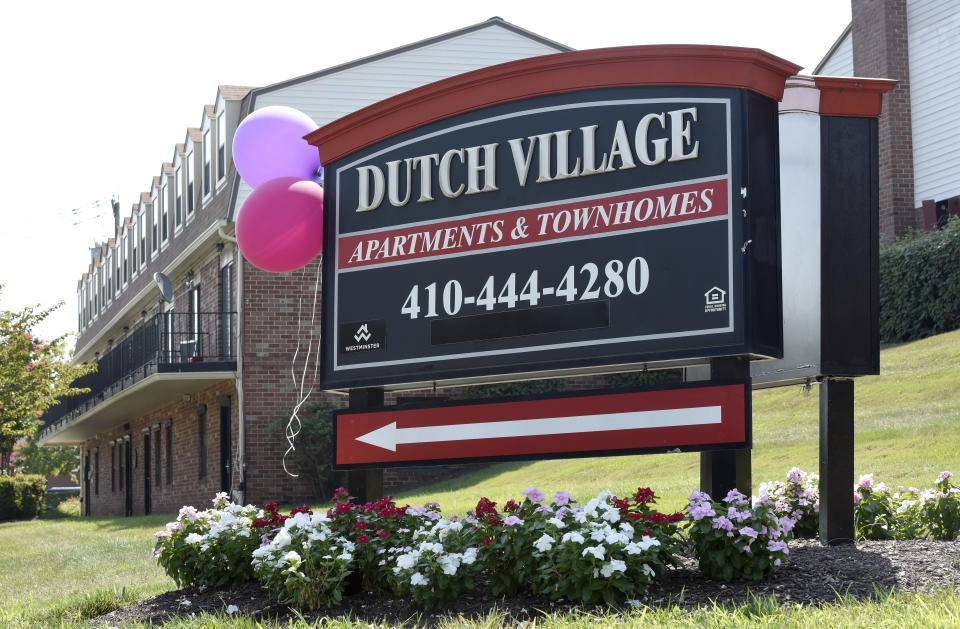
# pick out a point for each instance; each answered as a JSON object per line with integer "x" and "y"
{"x": 857, "y": 497}
{"x": 533, "y": 494}
{"x": 944, "y": 476}
{"x": 774, "y": 546}
{"x": 562, "y": 498}
{"x": 748, "y": 532}
{"x": 735, "y": 496}
{"x": 512, "y": 520}
{"x": 866, "y": 481}
{"x": 795, "y": 475}
{"x": 723, "y": 523}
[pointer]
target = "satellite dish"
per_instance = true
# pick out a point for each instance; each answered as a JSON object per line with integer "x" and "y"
{"x": 166, "y": 288}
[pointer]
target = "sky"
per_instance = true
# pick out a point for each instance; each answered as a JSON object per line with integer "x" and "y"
{"x": 96, "y": 94}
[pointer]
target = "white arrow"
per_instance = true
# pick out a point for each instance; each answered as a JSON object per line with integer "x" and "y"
{"x": 389, "y": 436}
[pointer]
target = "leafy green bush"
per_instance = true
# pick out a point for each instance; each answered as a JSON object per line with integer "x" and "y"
{"x": 920, "y": 285}
{"x": 313, "y": 446}
{"x": 21, "y": 496}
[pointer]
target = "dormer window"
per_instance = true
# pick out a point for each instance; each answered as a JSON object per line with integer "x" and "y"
{"x": 126, "y": 259}
{"x": 135, "y": 232}
{"x": 190, "y": 179}
{"x": 109, "y": 271}
{"x": 164, "y": 218}
{"x": 207, "y": 152}
{"x": 178, "y": 203}
{"x": 221, "y": 146}
{"x": 141, "y": 240}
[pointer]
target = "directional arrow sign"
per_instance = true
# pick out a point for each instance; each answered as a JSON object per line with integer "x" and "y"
{"x": 689, "y": 418}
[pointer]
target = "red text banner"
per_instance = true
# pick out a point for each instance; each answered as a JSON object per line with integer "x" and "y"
{"x": 603, "y": 215}
{"x": 688, "y": 418}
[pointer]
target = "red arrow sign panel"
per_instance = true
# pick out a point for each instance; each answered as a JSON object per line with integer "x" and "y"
{"x": 688, "y": 418}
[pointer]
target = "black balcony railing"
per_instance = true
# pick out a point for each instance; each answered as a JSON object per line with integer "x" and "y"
{"x": 168, "y": 342}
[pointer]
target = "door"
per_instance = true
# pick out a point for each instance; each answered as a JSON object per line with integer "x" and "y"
{"x": 128, "y": 476}
{"x": 147, "y": 451}
{"x": 225, "y": 446}
{"x": 86, "y": 483}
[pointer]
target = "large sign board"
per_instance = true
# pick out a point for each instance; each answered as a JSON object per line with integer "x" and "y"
{"x": 577, "y": 229}
{"x": 626, "y": 422}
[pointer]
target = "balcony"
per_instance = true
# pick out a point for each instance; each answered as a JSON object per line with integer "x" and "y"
{"x": 170, "y": 355}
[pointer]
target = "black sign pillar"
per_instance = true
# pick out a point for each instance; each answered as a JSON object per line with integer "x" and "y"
{"x": 836, "y": 461}
{"x": 723, "y": 470}
{"x": 366, "y": 485}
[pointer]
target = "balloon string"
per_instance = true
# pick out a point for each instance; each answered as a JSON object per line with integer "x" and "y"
{"x": 294, "y": 425}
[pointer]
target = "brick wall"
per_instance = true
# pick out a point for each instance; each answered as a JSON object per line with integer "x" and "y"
{"x": 880, "y": 51}
{"x": 185, "y": 486}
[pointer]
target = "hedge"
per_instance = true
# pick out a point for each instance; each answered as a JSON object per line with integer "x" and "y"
{"x": 920, "y": 285}
{"x": 21, "y": 496}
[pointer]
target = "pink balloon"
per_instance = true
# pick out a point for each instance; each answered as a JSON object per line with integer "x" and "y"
{"x": 279, "y": 226}
{"x": 269, "y": 144}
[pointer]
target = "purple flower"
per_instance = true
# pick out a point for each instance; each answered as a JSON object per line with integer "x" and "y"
{"x": 511, "y": 520}
{"x": 533, "y": 494}
{"x": 944, "y": 475}
{"x": 698, "y": 496}
{"x": 454, "y": 518}
{"x": 264, "y": 539}
{"x": 188, "y": 512}
{"x": 160, "y": 534}
{"x": 543, "y": 509}
{"x": 562, "y": 498}
{"x": 774, "y": 546}
{"x": 748, "y": 532}
{"x": 723, "y": 523}
{"x": 866, "y": 481}
{"x": 433, "y": 515}
{"x": 795, "y": 475}
{"x": 431, "y": 505}
{"x": 735, "y": 496}
{"x": 562, "y": 511}
{"x": 857, "y": 497}
{"x": 701, "y": 510}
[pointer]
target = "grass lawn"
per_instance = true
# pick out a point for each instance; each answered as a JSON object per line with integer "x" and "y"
{"x": 61, "y": 570}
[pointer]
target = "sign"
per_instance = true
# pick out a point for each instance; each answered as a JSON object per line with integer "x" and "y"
{"x": 684, "y": 419}
{"x": 576, "y": 228}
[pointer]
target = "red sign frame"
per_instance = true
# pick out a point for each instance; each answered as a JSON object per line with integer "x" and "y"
{"x": 683, "y": 418}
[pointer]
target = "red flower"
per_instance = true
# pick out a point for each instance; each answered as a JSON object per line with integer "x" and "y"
{"x": 341, "y": 492}
{"x": 342, "y": 507}
{"x": 485, "y": 505}
{"x": 259, "y": 522}
{"x": 303, "y": 509}
{"x": 648, "y": 532}
{"x": 363, "y": 539}
{"x": 270, "y": 506}
{"x": 511, "y": 506}
{"x": 486, "y": 541}
{"x": 621, "y": 504}
{"x": 644, "y": 495}
{"x": 384, "y": 534}
{"x": 359, "y": 524}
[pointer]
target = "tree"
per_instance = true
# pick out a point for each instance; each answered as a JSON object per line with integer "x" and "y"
{"x": 34, "y": 375}
{"x": 30, "y": 457}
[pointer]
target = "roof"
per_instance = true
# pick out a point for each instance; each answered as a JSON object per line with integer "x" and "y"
{"x": 167, "y": 168}
{"x": 210, "y": 111}
{"x": 233, "y": 92}
{"x": 833, "y": 49}
{"x": 145, "y": 198}
{"x": 195, "y": 135}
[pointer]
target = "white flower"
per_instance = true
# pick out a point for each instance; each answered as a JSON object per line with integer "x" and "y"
{"x": 598, "y": 535}
{"x": 627, "y": 529}
{"x": 227, "y": 519}
{"x": 417, "y": 579}
{"x": 557, "y": 522}
{"x": 450, "y": 563}
{"x": 614, "y": 565}
{"x": 597, "y": 551}
{"x": 194, "y": 538}
{"x": 615, "y": 537}
{"x": 647, "y": 570}
{"x": 612, "y": 515}
{"x": 469, "y": 556}
{"x": 292, "y": 557}
{"x": 572, "y": 536}
{"x": 408, "y": 560}
{"x": 282, "y": 539}
{"x": 345, "y": 556}
{"x": 545, "y": 543}
{"x": 632, "y": 602}
{"x": 232, "y": 609}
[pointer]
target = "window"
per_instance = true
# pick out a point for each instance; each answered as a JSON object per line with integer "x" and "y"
{"x": 96, "y": 471}
{"x": 121, "y": 467}
{"x": 113, "y": 466}
{"x": 135, "y": 235}
{"x": 141, "y": 239}
{"x": 126, "y": 260}
{"x": 156, "y": 454}
{"x": 164, "y": 220}
{"x": 202, "y": 438}
{"x": 207, "y": 151}
{"x": 169, "y": 425}
{"x": 111, "y": 273}
{"x": 156, "y": 224}
{"x": 221, "y": 146}
{"x": 190, "y": 169}
{"x": 226, "y": 308}
{"x": 178, "y": 196}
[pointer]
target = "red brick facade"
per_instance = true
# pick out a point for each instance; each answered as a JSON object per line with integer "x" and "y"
{"x": 880, "y": 50}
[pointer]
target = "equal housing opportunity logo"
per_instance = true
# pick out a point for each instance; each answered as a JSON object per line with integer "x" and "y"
{"x": 716, "y": 300}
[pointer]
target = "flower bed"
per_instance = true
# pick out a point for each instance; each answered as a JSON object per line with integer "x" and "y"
{"x": 606, "y": 550}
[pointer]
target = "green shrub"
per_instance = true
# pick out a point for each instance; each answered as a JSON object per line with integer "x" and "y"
{"x": 920, "y": 285}
{"x": 21, "y": 496}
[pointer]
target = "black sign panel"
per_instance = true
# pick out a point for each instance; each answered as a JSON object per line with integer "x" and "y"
{"x": 598, "y": 227}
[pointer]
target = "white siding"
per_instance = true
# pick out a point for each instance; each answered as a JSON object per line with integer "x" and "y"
{"x": 934, "y": 38}
{"x": 840, "y": 62}
{"x": 333, "y": 96}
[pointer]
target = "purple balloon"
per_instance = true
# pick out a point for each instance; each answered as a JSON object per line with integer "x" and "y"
{"x": 269, "y": 144}
{"x": 279, "y": 226}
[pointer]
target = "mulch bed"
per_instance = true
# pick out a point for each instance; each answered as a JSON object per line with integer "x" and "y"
{"x": 813, "y": 575}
